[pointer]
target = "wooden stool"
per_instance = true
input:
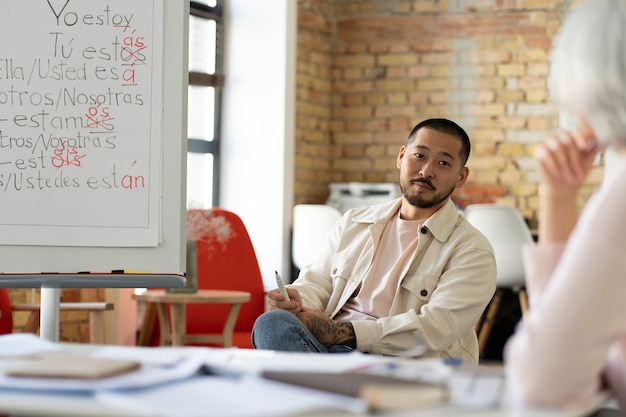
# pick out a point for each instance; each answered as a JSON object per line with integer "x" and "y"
{"x": 96, "y": 317}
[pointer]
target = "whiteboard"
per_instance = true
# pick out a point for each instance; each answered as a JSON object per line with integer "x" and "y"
{"x": 92, "y": 135}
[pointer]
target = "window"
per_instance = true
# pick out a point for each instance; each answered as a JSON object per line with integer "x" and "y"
{"x": 206, "y": 42}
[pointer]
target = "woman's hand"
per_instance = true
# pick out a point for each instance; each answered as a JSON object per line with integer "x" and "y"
{"x": 565, "y": 160}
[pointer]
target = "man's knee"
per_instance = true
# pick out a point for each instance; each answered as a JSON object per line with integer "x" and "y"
{"x": 273, "y": 320}
{"x": 271, "y": 326}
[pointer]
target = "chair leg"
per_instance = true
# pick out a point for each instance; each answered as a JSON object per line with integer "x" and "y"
{"x": 147, "y": 327}
{"x": 523, "y": 301}
{"x": 96, "y": 327}
{"x": 164, "y": 324}
{"x": 32, "y": 323}
{"x": 485, "y": 328}
{"x": 229, "y": 326}
{"x": 479, "y": 323}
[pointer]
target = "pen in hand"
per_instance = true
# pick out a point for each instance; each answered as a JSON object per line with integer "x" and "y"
{"x": 281, "y": 286}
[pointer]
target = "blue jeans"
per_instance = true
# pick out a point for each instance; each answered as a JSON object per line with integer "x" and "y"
{"x": 281, "y": 330}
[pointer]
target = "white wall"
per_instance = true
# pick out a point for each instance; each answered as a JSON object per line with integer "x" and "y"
{"x": 258, "y": 125}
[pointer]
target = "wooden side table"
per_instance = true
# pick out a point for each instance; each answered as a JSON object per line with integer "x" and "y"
{"x": 176, "y": 335}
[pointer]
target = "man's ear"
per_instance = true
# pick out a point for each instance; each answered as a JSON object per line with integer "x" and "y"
{"x": 400, "y": 156}
{"x": 463, "y": 177}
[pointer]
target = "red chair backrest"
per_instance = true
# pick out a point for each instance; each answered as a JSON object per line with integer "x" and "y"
{"x": 225, "y": 260}
{"x": 6, "y": 312}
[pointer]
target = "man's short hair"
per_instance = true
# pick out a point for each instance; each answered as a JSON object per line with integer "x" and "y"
{"x": 448, "y": 127}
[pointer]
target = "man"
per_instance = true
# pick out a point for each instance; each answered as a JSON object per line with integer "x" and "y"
{"x": 410, "y": 273}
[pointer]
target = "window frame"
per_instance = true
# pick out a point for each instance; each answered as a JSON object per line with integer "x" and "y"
{"x": 215, "y": 80}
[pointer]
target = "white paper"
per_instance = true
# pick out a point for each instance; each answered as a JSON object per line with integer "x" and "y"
{"x": 174, "y": 364}
{"x": 22, "y": 344}
{"x": 228, "y": 397}
{"x": 253, "y": 362}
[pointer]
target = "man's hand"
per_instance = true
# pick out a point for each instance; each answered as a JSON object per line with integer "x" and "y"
{"x": 326, "y": 330}
{"x": 277, "y": 301}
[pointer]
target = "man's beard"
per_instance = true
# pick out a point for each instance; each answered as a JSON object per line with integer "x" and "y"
{"x": 419, "y": 201}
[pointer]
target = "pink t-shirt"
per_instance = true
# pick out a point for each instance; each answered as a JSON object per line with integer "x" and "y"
{"x": 375, "y": 294}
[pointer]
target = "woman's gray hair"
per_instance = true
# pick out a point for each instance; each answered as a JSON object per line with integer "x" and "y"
{"x": 588, "y": 69}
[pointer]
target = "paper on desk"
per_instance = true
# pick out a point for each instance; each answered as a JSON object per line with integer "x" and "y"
{"x": 147, "y": 376}
{"x": 253, "y": 362}
{"x": 221, "y": 396}
{"x": 22, "y": 344}
{"x": 164, "y": 356}
{"x": 476, "y": 390}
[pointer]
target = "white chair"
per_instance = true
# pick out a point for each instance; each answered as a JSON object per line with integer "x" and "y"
{"x": 312, "y": 224}
{"x": 507, "y": 232}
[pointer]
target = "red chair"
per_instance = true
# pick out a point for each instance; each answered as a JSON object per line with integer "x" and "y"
{"x": 225, "y": 260}
{"x": 6, "y": 312}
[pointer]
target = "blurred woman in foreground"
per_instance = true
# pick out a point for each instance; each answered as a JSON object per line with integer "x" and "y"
{"x": 572, "y": 343}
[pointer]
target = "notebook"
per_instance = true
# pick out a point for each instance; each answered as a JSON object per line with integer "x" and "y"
{"x": 66, "y": 366}
{"x": 379, "y": 392}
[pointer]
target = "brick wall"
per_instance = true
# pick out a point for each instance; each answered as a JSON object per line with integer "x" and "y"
{"x": 369, "y": 70}
{"x": 314, "y": 101}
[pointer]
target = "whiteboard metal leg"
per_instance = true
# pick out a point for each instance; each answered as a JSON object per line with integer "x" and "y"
{"x": 49, "y": 321}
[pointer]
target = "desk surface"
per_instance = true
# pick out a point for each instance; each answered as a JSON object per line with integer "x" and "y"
{"x": 216, "y": 395}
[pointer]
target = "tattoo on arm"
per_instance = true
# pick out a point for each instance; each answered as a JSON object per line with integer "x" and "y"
{"x": 345, "y": 334}
{"x": 332, "y": 332}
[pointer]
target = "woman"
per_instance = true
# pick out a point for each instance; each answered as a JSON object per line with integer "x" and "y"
{"x": 572, "y": 343}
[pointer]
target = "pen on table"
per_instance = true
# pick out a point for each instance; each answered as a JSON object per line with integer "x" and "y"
{"x": 281, "y": 286}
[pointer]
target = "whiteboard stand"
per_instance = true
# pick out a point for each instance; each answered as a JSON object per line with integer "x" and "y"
{"x": 51, "y": 284}
{"x": 49, "y": 317}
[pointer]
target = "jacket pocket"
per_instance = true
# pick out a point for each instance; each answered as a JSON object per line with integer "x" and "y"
{"x": 341, "y": 269}
{"x": 420, "y": 287}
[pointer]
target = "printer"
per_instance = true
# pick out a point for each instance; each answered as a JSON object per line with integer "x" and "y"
{"x": 347, "y": 195}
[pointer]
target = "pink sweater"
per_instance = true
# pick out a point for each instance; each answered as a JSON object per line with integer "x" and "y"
{"x": 574, "y": 334}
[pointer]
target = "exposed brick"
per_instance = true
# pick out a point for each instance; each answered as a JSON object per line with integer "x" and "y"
{"x": 509, "y": 177}
{"x": 418, "y": 71}
{"x": 368, "y": 70}
{"x": 396, "y": 72}
{"x": 531, "y": 55}
{"x": 360, "y": 137}
{"x": 355, "y": 61}
{"x": 485, "y": 190}
{"x": 538, "y": 123}
{"x": 508, "y": 96}
{"x": 395, "y": 85}
{"x": 361, "y": 112}
{"x": 398, "y": 59}
{"x": 489, "y": 56}
{"x": 509, "y": 70}
{"x": 523, "y": 189}
{"x": 536, "y": 96}
{"x": 397, "y": 98}
{"x": 388, "y": 111}
{"x": 433, "y": 84}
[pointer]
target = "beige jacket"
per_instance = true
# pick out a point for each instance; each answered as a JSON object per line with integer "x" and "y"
{"x": 439, "y": 298}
